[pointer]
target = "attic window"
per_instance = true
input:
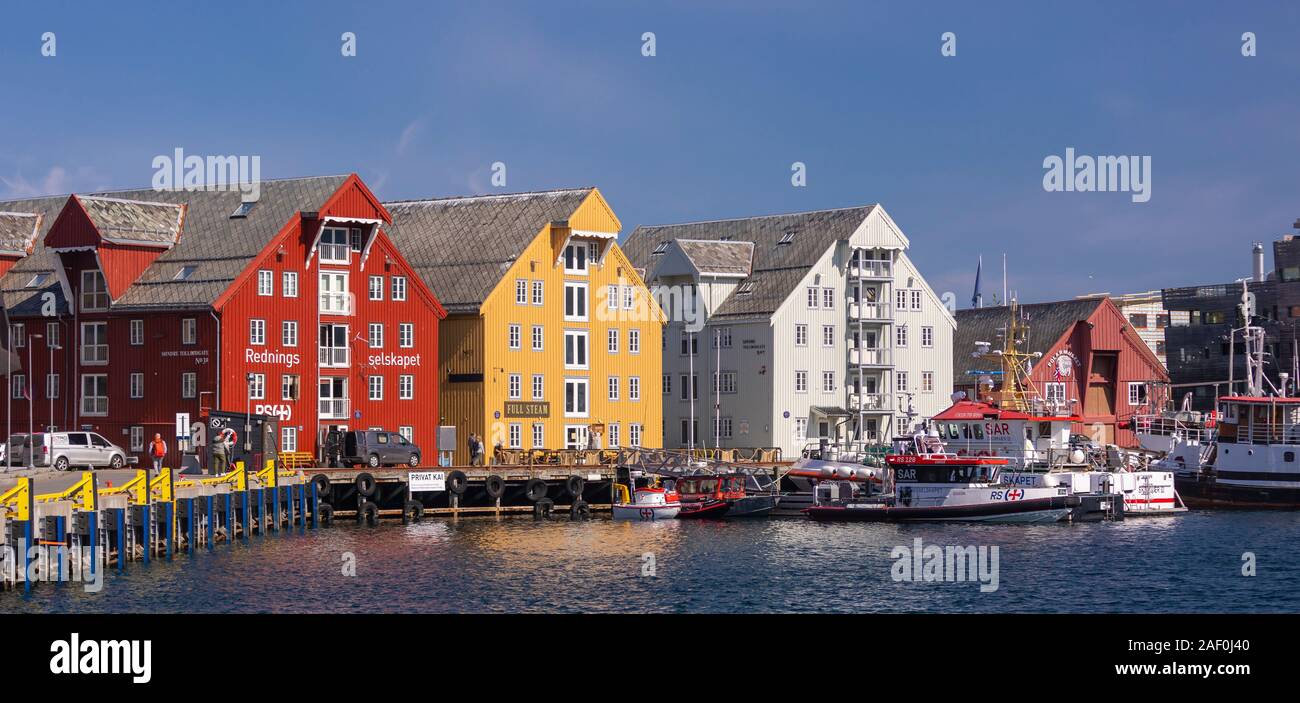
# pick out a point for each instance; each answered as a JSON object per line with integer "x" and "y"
{"x": 745, "y": 288}
{"x": 184, "y": 273}
{"x": 725, "y": 238}
{"x": 660, "y": 248}
{"x": 243, "y": 209}
{"x": 38, "y": 280}
{"x": 787, "y": 237}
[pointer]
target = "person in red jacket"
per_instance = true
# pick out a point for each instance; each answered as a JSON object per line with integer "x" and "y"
{"x": 157, "y": 450}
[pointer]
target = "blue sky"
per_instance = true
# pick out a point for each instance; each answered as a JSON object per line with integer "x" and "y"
{"x": 709, "y": 127}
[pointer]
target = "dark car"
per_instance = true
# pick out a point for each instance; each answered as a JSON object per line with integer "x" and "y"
{"x": 373, "y": 448}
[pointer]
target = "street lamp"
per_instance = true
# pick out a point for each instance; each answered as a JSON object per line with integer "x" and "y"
{"x": 49, "y": 376}
{"x": 31, "y": 400}
{"x": 248, "y": 415}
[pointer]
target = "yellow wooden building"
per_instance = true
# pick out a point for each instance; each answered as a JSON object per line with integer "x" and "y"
{"x": 552, "y": 340}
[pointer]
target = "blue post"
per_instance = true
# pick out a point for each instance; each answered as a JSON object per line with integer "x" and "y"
{"x": 168, "y": 511}
{"x": 92, "y": 519}
{"x": 59, "y": 537}
{"x": 261, "y": 511}
{"x": 246, "y": 513}
{"x": 27, "y": 550}
{"x": 230, "y": 513}
{"x": 121, "y": 539}
{"x": 145, "y": 510}
{"x": 212, "y": 521}
{"x": 189, "y": 526}
{"x": 315, "y": 501}
{"x": 302, "y": 505}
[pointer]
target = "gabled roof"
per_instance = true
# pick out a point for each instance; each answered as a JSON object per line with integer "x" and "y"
{"x": 18, "y": 232}
{"x": 1048, "y": 322}
{"x": 462, "y": 246}
{"x": 785, "y": 247}
{"x": 718, "y": 258}
{"x": 217, "y": 245}
{"x": 123, "y": 221}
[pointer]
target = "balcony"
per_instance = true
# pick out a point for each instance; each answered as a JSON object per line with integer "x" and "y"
{"x": 871, "y": 312}
{"x": 334, "y": 357}
{"x": 335, "y": 303}
{"x": 94, "y": 354}
{"x": 333, "y": 408}
{"x": 871, "y": 356}
{"x": 872, "y": 269}
{"x": 869, "y": 402}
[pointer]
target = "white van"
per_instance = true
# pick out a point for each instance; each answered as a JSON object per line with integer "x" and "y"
{"x": 66, "y": 451}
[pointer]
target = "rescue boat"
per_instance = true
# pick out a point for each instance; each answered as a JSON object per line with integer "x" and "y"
{"x": 647, "y": 503}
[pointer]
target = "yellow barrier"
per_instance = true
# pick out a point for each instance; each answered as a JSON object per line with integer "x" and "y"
{"x": 82, "y": 492}
{"x": 18, "y": 499}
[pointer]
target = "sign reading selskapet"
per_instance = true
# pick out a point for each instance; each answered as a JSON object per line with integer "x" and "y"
{"x": 427, "y": 481}
{"x": 74, "y": 656}
{"x": 402, "y": 360}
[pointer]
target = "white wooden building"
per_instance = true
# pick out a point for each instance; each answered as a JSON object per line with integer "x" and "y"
{"x": 794, "y": 327}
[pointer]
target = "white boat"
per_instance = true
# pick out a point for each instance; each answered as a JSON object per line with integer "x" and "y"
{"x": 648, "y": 503}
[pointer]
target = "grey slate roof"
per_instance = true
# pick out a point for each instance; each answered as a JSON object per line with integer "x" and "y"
{"x": 1047, "y": 322}
{"x": 462, "y": 246}
{"x": 210, "y": 239}
{"x": 724, "y": 258}
{"x": 145, "y": 223}
{"x": 777, "y": 268}
{"x": 17, "y": 231}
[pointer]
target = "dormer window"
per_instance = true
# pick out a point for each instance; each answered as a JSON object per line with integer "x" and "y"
{"x": 660, "y": 248}
{"x": 746, "y": 288}
{"x": 335, "y": 246}
{"x": 38, "y": 280}
{"x": 94, "y": 291}
{"x": 243, "y": 209}
{"x": 184, "y": 273}
{"x": 787, "y": 237}
{"x": 575, "y": 258}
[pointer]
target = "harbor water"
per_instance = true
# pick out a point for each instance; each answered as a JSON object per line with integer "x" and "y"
{"x": 1192, "y": 563}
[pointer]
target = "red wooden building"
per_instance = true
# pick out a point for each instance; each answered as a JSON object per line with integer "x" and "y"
{"x": 133, "y": 306}
{"x": 1090, "y": 357}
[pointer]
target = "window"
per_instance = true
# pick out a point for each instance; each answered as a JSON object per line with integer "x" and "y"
{"x": 406, "y": 387}
{"x": 52, "y": 386}
{"x": 900, "y": 336}
{"x": 634, "y": 341}
{"x": 333, "y": 398}
{"x": 539, "y": 435}
{"x": 289, "y": 333}
{"x": 539, "y": 288}
{"x": 916, "y": 299}
{"x": 516, "y": 435}
{"x": 668, "y": 384}
{"x": 136, "y": 335}
{"x": 812, "y": 297}
{"x": 335, "y": 246}
{"x": 613, "y": 434}
{"x": 334, "y": 293}
{"x": 512, "y": 337}
{"x": 18, "y": 335}
{"x": 399, "y": 288}
{"x": 660, "y": 248}
{"x": 575, "y": 258}
{"x": 723, "y": 338}
{"x": 355, "y": 240}
{"x": 189, "y": 331}
{"x": 613, "y": 387}
{"x": 611, "y": 297}
{"x": 690, "y": 430}
{"x": 137, "y": 438}
{"x": 727, "y": 382}
{"x": 629, "y": 297}
{"x": 521, "y": 291}
{"x": 1138, "y": 320}
{"x": 406, "y": 335}
{"x": 1054, "y": 393}
{"x": 1137, "y": 394}
{"x": 290, "y": 387}
{"x": 189, "y": 384}
{"x": 575, "y": 349}
{"x": 376, "y": 288}
{"x": 334, "y": 350}
{"x": 94, "y": 343}
{"x": 1162, "y": 321}
{"x": 828, "y": 298}
{"x": 900, "y": 381}
{"x": 927, "y": 381}
{"x": 575, "y": 397}
{"x": 375, "y": 384}
{"x": 690, "y": 344}
{"x": 94, "y": 291}
{"x": 801, "y": 335}
{"x": 288, "y": 439}
{"x": 613, "y": 341}
{"x": 828, "y": 381}
{"x": 539, "y": 386}
{"x": 575, "y": 302}
{"x": 18, "y": 386}
{"x": 257, "y": 332}
{"x": 135, "y": 384}
{"x": 800, "y": 429}
{"x": 722, "y": 427}
{"x": 514, "y": 389}
{"x": 634, "y": 388}
{"x": 828, "y": 335}
{"x": 900, "y": 300}
{"x": 53, "y": 334}
{"x": 927, "y": 337}
{"x": 538, "y": 337}
{"x": 265, "y": 283}
{"x": 376, "y": 335}
{"x": 289, "y": 284}
{"x": 37, "y": 281}
{"x": 691, "y": 386}
{"x": 634, "y": 434}
{"x": 800, "y": 381}
{"x": 257, "y": 386}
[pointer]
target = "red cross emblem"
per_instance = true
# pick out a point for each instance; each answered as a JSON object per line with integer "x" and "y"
{"x": 1015, "y": 494}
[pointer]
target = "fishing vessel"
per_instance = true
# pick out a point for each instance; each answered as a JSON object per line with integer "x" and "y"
{"x": 931, "y": 484}
{"x": 718, "y": 495}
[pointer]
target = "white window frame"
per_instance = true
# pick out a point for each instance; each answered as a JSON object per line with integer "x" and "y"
{"x": 375, "y": 335}
{"x": 611, "y": 340}
{"x": 52, "y": 386}
{"x": 136, "y": 433}
{"x": 521, "y": 291}
{"x": 289, "y": 333}
{"x": 375, "y": 288}
{"x": 828, "y": 298}
{"x": 398, "y": 292}
{"x": 406, "y": 335}
{"x": 515, "y": 435}
{"x": 406, "y": 387}
{"x": 539, "y": 338}
{"x": 135, "y": 385}
{"x": 612, "y": 386}
{"x": 17, "y": 386}
{"x": 257, "y": 387}
{"x": 585, "y": 400}
{"x": 539, "y": 292}
{"x": 634, "y": 434}
{"x": 135, "y": 335}
{"x": 575, "y": 258}
{"x": 900, "y": 382}
{"x": 800, "y": 381}
{"x": 189, "y": 384}
{"x": 828, "y": 382}
{"x": 915, "y": 295}
{"x": 900, "y": 336}
{"x": 334, "y": 293}
{"x": 514, "y": 386}
{"x": 290, "y": 386}
{"x": 256, "y": 332}
{"x": 634, "y": 341}
{"x": 539, "y": 386}
{"x": 53, "y": 334}
{"x": 634, "y": 388}
{"x": 330, "y": 246}
{"x": 572, "y": 313}
{"x": 539, "y": 435}
{"x": 288, "y": 438}
{"x": 513, "y": 337}
{"x": 927, "y": 337}
{"x": 801, "y": 335}
{"x": 828, "y": 336}
{"x": 97, "y": 350}
{"x": 289, "y": 284}
{"x": 585, "y": 362}
{"x": 189, "y": 330}
{"x": 375, "y": 386}
{"x": 265, "y": 283}
{"x": 1054, "y": 392}
{"x": 91, "y": 290}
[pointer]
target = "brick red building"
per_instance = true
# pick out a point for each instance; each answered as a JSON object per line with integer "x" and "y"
{"x": 150, "y": 303}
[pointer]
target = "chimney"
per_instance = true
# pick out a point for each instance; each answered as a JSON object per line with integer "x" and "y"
{"x": 1258, "y": 255}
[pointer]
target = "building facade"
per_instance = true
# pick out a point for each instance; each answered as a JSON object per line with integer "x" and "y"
{"x": 787, "y": 329}
{"x": 135, "y": 306}
{"x": 551, "y": 340}
{"x": 1146, "y": 313}
{"x": 1090, "y": 361}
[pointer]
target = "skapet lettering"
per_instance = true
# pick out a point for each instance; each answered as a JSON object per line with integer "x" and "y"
{"x": 96, "y": 657}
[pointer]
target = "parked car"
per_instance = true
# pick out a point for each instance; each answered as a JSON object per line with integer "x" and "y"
{"x": 371, "y": 447}
{"x": 66, "y": 451}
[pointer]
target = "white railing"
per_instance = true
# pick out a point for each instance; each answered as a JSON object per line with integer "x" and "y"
{"x": 335, "y": 253}
{"x": 870, "y": 356}
{"x": 94, "y": 353}
{"x": 94, "y": 405}
{"x": 870, "y": 311}
{"x": 334, "y": 408}
{"x": 871, "y": 268}
{"x": 869, "y": 402}
{"x": 335, "y": 303}
{"x": 334, "y": 357}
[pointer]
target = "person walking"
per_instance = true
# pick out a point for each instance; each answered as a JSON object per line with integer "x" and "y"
{"x": 157, "y": 451}
{"x": 478, "y": 451}
{"x": 221, "y": 452}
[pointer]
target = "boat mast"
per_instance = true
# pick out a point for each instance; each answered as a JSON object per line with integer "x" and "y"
{"x": 1018, "y": 391}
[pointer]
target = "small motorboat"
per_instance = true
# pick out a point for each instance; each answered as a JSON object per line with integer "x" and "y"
{"x": 651, "y": 502}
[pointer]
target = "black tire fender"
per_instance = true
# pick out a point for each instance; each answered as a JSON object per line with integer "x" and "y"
{"x": 495, "y": 486}
{"x": 368, "y": 513}
{"x": 366, "y": 484}
{"x": 456, "y": 482}
{"x": 325, "y": 513}
{"x": 543, "y": 508}
{"x": 535, "y": 489}
{"x": 573, "y": 486}
{"x": 321, "y": 482}
{"x": 414, "y": 510}
{"x": 580, "y": 510}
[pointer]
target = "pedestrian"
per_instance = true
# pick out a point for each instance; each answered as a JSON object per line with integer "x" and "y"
{"x": 221, "y": 452}
{"x": 157, "y": 450}
{"x": 478, "y": 451}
